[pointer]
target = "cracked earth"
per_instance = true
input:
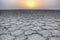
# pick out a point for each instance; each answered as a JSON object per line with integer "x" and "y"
{"x": 29, "y": 26}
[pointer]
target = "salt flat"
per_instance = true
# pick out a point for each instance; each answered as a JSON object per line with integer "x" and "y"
{"x": 29, "y": 25}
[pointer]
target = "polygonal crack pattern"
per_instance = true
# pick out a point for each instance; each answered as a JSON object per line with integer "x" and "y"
{"x": 35, "y": 26}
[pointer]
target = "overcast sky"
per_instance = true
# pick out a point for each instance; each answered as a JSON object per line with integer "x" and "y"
{"x": 13, "y": 4}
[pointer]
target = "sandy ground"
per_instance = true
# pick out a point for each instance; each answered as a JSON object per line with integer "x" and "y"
{"x": 41, "y": 25}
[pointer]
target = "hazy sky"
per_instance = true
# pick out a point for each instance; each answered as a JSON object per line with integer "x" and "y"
{"x": 14, "y": 4}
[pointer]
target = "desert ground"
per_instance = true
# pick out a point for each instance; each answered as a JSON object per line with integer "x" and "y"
{"x": 30, "y": 25}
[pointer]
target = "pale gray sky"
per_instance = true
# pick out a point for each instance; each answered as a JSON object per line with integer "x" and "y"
{"x": 13, "y": 4}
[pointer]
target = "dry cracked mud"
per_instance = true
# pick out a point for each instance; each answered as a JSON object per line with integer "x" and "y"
{"x": 29, "y": 26}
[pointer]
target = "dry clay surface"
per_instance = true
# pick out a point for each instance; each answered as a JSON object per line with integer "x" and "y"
{"x": 29, "y": 27}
